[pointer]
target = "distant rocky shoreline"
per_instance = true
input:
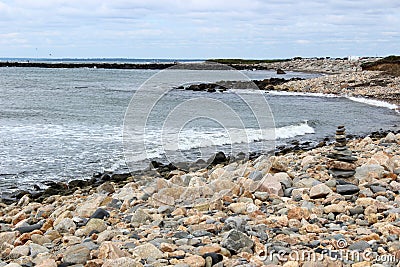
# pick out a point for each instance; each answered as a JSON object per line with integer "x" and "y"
{"x": 95, "y": 65}
{"x": 320, "y": 65}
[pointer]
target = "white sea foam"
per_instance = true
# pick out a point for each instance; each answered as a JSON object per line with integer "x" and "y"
{"x": 368, "y": 101}
{"x": 285, "y": 93}
{"x": 159, "y": 143}
{"x": 373, "y": 102}
{"x": 196, "y": 137}
{"x": 294, "y": 130}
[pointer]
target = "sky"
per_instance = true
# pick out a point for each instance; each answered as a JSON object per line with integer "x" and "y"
{"x": 199, "y": 29}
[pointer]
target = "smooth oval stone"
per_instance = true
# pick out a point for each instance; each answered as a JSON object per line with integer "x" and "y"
{"x": 30, "y": 228}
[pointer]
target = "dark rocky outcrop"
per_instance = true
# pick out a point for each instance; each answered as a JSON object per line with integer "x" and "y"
{"x": 390, "y": 65}
{"x": 280, "y": 71}
{"x": 222, "y": 86}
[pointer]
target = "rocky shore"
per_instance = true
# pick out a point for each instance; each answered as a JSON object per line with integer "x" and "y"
{"x": 365, "y": 77}
{"x": 288, "y": 210}
{"x": 369, "y": 84}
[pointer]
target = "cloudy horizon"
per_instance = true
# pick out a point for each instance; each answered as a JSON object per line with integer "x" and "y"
{"x": 198, "y": 29}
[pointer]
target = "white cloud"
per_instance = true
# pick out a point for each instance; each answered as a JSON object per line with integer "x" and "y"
{"x": 200, "y": 28}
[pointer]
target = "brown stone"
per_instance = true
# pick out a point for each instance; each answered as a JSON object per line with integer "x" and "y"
{"x": 298, "y": 213}
{"x": 341, "y": 165}
{"x": 47, "y": 263}
{"x": 370, "y": 237}
{"x": 195, "y": 261}
{"x": 19, "y": 217}
{"x": 7, "y": 238}
{"x": 167, "y": 247}
{"x": 108, "y": 250}
{"x": 271, "y": 185}
{"x": 213, "y": 248}
{"x": 47, "y": 225}
{"x": 95, "y": 263}
{"x": 312, "y": 228}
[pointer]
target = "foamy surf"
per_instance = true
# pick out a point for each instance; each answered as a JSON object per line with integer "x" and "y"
{"x": 194, "y": 138}
{"x": 294, "y": 130}
{"x": 285, "y": 93}
{"x": 373, "y": 102}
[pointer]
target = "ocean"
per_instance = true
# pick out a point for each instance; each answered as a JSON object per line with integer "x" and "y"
{"x": 66, "y": 124}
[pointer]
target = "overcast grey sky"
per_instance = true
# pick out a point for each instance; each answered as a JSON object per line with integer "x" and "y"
{"x": 199, "y": 28}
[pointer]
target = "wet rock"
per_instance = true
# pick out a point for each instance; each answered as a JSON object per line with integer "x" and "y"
{"x": 218, "y": 158}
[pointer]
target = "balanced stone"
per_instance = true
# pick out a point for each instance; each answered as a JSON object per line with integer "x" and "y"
{"x": 341, "y": 166}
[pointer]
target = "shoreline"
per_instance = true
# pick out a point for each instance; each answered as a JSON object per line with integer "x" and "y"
{"x": 159, "y": 169}
{"x": 297, "y": 206}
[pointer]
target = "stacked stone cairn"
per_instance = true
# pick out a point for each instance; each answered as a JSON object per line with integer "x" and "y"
{"x": 342, "y": 164}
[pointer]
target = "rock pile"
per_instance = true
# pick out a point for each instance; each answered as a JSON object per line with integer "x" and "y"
{"x": 342, "y": 165}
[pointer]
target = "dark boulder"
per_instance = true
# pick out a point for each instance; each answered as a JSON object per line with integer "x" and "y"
{"x": 280, "y": 71}
{"x": 218, "y": 158}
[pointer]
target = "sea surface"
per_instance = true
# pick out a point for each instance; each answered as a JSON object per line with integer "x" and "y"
{"x": 65, "y": 124}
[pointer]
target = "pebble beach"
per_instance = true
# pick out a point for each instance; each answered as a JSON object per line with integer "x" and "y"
{"x": 334, "y": 205}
